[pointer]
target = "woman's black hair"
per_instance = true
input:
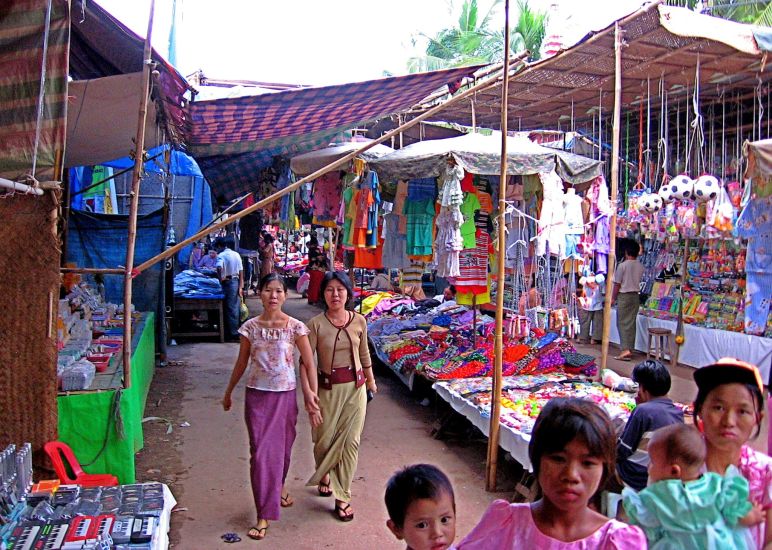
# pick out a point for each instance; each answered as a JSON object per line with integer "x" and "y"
{"x": 419, "y": 481}
{"x": 756, "y": 395}
{"x": 269, "y": 279}
{"x": 268, "y": 238}
{"x": 343, "y": 279}
{"x": 563, "y": 420}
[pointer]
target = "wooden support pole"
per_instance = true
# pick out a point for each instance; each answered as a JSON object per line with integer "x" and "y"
{"x": 134, "y": 204}
{"x": 493, "y": 432}
{"x": 614, "y": 190}
{"x": 332, "y": 166}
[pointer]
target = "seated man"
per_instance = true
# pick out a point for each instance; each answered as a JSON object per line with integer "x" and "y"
{"x": 654, "y": 411}
{"x": 380, "y": 281}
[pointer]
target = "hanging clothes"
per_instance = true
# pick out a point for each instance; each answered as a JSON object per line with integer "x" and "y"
{"x": 370, "y": 257}
{"x": 449, "y": 242}
{"x": 411, "y": 280}
{"x": 551, "y": 221}
{"x": 399, "y": 206}
{"x": 474, "y": 268}
{"x": 394, "y": 243}
{"x": 468, "y": 208}
{"x": 326, "y": 198}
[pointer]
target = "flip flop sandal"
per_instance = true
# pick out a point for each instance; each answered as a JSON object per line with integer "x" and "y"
{"x": 324, "y": 486}
{"x": 261, "y": 531}
{"x": 287, "y": 501}
{"x": 624, "y": 357}
{"x": 230, "y": 538}
{"x": 340, "y": 512}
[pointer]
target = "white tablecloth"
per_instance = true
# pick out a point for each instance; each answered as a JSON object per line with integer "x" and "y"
{"x": 703, "y": 346}
{"x": 515, "y": 443}
{"x": 161, "y": 536}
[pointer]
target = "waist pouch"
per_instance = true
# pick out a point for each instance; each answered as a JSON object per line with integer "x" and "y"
{"x": 340, "y": 376}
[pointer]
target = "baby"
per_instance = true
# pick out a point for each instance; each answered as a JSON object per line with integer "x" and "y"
{"x": 422, "y": 508}
{"x": 685, "y": 507}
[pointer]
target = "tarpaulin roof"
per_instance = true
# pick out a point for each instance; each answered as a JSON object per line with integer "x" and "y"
{"x": 310, "y": 162}
{"x": 480, "y": 154}
{"x": 233, "y": 138}
{"x": 103, "y": 46}
{"x": 659, "y": 42}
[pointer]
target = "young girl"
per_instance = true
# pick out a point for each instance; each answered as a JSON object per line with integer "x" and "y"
{"x": 684, "y": 507}
{"x": 728, "y": 410}
{"x": 572, "y": 449}
{"x": 422, "y": 508}
{"x": 270, "y": 409}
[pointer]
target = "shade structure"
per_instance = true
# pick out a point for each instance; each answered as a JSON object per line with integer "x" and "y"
{"x": 312, "y": 161}
{"x": 232, "y": 139}
{"x": 481, "y": 154}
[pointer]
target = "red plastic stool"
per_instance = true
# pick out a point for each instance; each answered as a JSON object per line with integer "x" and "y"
{"x": 59, "y": 453}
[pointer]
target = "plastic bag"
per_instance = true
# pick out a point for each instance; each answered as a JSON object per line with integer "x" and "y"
{"x": 243, "y": 311}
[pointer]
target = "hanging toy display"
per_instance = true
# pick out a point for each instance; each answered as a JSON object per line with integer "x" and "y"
{"x": 650, "y": 202}
{"x": 666, "y": 193}
{"x": 706, "y": 188}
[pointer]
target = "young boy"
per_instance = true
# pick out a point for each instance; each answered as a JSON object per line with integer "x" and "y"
{"x": 422, "y": 508}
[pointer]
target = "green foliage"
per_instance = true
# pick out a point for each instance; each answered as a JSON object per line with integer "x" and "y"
{"x": 758, "y": 12}
{"x": 476, "y": 41}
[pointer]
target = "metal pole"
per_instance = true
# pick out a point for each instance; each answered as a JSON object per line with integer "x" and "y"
{"x": 134, "y": 205}
{"x": 332, "y": 166}
{"x": 493, "y": 432}
{"x": 614, "y": 190}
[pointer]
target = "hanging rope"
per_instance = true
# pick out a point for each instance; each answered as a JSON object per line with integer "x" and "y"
{"x": 698, "y": 136}
{"x": 723, "y": 136}
{"x": 647, "y": 173}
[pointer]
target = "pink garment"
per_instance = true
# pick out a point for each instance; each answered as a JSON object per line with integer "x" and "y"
{"x": 756, "y": 467}
{"x": 507, "y": 526}
{"x": 271, "y": 354}
{"x": 327, "y": 190}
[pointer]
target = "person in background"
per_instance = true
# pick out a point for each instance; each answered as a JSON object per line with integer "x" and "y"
{"x": 685, "y": 507}
{"x": 316, "y": 270}
{"x": 208, "y": 261}
{"x": 380, "y": 281}
{"x": 591, "y": 312}
{"x": 339, "y": 338}
{"x": 267, "y": 254}
{"x": 729, "y": 409}
{"x": 626, "y": 294}
{"x": 230, "y": 271}
{"x": 653, "y": 411}
{"x": 268, "y": 343}
{"x": 572, "y": 452}
{"x": 196, "y": 255}
{"x": 448, "y": 294}
{"x": 421, "y": 507}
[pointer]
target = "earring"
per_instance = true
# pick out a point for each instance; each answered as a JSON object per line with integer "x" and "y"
{"x": 699, "y": 424}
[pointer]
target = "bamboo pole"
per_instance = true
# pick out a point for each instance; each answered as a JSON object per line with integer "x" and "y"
{"x": 332, "y": 166}
{"x": 102, "y": 270}
{"x": 134, "y": 205}
{"x": 493, "y": 432}
{"x": 614, "y": 191}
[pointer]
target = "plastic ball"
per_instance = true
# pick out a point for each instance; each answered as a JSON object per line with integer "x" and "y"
{"x": 599, "y": 278}
{"x": 650, "y": 202}
{"x": 706, "y": 188}
{"x": 682, "y": 187}
{"x": 666, "y": 193}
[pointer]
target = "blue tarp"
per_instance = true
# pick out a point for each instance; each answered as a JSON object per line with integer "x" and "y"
{"x": 181, "y": 164}
{"x": 99, "y": 240}
{"x": 200, "y": 215}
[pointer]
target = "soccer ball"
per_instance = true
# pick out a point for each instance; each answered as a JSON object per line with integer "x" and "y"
{"x": 666, "y": 193}
{"x": 682, "y": 187}
{"x": 706, "y": 188}
{"x": 650, "y": 202}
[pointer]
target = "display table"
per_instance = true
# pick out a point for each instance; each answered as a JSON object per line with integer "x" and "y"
{"x": 211, "y": 304}
{"x": 513, "y": 442}
{"x": 703, "y": 346}
{"x": 87, "y": 419}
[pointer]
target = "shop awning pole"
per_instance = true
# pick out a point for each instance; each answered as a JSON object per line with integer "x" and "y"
{"x": 134, "y": 204}
{"x": 493, "y": 432}
{"x": 614, "y": 198}
{"x": 332, "y": 166}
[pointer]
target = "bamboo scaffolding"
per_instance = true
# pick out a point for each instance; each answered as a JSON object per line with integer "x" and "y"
{"x": 103, "y": 270}
{"x": 134, "y": 205}
{"x": 614, "y": 197}
{"x": 493, "y": 432}
{"x": 332, "y": 166}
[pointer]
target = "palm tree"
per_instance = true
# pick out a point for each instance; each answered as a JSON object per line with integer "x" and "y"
{"x": 474, "y": 41}
{"x": 758, "y": 12}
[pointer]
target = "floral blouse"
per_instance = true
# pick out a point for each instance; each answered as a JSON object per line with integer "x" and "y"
{"x": 271, "y": 355}
{"x": 756, "y": 467}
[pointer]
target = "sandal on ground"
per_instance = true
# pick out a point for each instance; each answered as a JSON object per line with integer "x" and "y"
{"x": 230, "y": 538}
{"x": 287, "y": 501}
{"x": 342, "y": 511}
{"x": 257, "y": 533}
{"x": 623, "y": 357}
{"x": 324, "y": 489}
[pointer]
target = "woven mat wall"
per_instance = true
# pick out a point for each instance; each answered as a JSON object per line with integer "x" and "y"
{"x": 29, "y": 293}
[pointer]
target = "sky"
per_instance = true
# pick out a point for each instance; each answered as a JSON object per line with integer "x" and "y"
{"x": 322, "y": 42}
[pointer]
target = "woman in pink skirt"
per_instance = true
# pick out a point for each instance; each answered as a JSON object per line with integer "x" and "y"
{"x": 268, "y": 343}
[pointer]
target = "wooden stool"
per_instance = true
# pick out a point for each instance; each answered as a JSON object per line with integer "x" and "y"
{"x": 662, "y": 343}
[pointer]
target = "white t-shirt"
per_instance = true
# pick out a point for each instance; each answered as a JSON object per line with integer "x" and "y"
{"x": 629, "y": 274}
{"x": 230, "y": 262}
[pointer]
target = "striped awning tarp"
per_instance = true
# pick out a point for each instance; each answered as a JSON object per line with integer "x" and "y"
{"x": 22, "y": 33}
{"x": 232, "y": 139}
